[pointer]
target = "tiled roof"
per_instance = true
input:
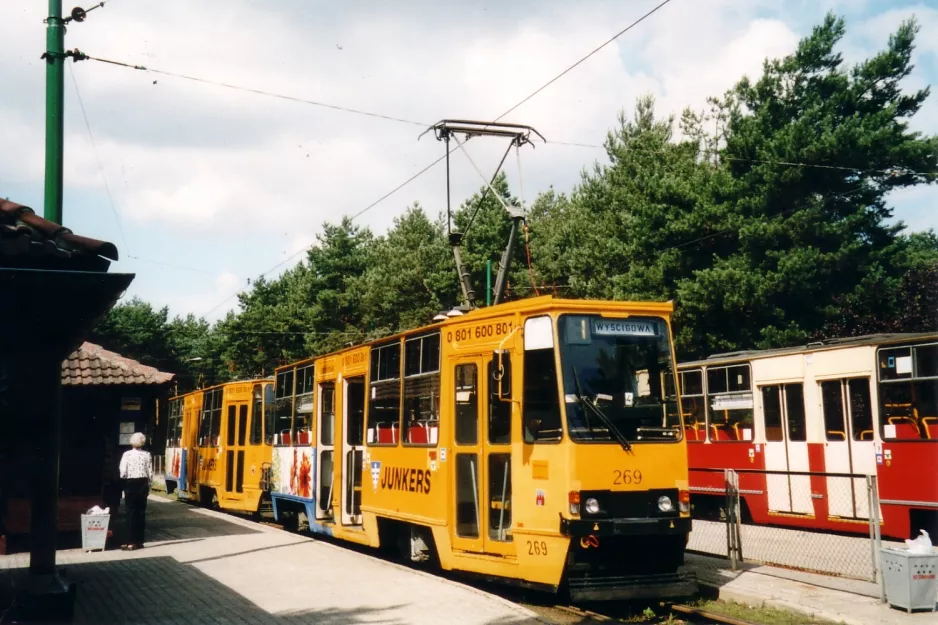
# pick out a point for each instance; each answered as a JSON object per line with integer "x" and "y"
{"x": 27, "y": 241}
{"x": 91, "y": 364}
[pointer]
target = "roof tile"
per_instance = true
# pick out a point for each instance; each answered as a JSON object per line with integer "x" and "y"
{"x": 27, "y": 241}
{"x": 91, "y": 364}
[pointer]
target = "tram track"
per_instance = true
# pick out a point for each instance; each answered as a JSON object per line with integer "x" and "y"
{"x": 544, "y": 604}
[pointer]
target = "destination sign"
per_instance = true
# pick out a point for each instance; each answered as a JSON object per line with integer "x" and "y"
{"x": 624, "y": 327}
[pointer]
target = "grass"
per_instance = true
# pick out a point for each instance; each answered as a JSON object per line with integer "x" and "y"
{"x": 758, "y": 616}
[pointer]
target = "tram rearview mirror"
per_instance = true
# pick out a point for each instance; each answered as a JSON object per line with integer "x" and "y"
{"x": 500, "y": 373}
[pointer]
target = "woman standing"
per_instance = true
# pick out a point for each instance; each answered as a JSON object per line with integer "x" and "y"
{"x": 136, "y": 469}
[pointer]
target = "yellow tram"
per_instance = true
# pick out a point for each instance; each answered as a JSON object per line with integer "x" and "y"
{"x": 536, "y": 442}
{"x": 216, "y": 453}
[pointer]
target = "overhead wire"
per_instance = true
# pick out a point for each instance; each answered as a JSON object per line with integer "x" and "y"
{"x": 97, "y": 156}
{"x": 256, "y": 91}
{"x": 450, "y": 151}
{"x": 600, "y": 47}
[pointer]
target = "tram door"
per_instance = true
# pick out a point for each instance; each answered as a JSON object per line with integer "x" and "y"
{"x": 325, "y": 451}
{"x": 353, "y": 429}
{"x": 848, "y": 448}
{"x": 236, "y": 427}
{"x": 786, "y": 448}
{"x": 482, "y": 450}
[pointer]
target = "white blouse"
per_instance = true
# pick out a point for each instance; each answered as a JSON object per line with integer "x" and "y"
{"x": 136, "y": 463}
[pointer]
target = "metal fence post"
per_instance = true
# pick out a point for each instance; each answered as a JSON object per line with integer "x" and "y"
{"x": 876, "y": 538}
{"x": 733, "y": 547}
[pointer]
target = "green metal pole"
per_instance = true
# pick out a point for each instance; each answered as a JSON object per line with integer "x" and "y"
{"x": 488, "y": 283}
{"x": 55, "y": 87}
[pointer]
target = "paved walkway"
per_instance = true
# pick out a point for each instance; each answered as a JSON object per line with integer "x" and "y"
{"x": 849, "y": 601}
{"x": 207, "y": 567}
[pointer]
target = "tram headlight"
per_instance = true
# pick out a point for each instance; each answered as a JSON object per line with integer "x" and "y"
{"x": 665, "y": 504}
{"x": 591, "y": 506}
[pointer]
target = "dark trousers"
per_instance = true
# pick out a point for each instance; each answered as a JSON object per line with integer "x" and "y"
{"x": 135, "y": 496}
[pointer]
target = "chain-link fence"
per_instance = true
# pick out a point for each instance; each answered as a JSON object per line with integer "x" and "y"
{"x": 811, "y": 505}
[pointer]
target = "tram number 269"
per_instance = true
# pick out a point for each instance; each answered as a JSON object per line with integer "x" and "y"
{"x": 479, "y": 332}
{"x": 537, "y": 548}
{"x": 627, "y": 476}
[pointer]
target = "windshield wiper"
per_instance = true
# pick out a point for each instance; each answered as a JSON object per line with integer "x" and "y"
{"x": 591, "y": 404}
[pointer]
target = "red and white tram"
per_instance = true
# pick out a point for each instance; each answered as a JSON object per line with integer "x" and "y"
{"x": 865, "y": 405}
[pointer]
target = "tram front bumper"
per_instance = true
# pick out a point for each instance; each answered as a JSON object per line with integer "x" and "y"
{"x": 627, "y": 558}
{"x": 623, "y": 587}
{"x": 624, "y": 527}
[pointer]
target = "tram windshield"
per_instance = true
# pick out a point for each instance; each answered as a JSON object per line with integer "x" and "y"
{"x": 614, "y": 383}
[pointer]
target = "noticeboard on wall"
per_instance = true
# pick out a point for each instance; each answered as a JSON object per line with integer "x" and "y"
{"x": 126, "y": 431}
{"x": 129, "y": 404}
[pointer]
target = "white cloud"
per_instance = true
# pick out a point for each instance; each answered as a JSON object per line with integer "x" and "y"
{"x": 202, "y": 160}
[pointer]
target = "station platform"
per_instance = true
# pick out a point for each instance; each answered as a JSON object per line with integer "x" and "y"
{"x": 848, "y": 601}
{"x": 201, "y": 566}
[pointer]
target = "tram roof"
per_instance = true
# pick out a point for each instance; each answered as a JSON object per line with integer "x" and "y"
{"x": 544, "y": 303}
{"x": 826, "y": 344}
{"x": 223, "y": 384}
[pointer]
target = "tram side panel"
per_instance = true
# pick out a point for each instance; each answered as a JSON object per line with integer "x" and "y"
{"x": 173, "y": 454}
{"x": 822, "y": 411}
{"x": 291, "y": 433}
{"x": 188, "y": 448}
{"x": 907, "y": 461}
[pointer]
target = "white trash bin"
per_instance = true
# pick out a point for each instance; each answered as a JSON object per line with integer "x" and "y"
{"x": 911, "y": 579}
{"x": 94, "y": 531}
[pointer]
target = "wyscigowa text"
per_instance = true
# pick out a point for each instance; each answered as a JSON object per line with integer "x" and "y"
{"x": 484, "y": 331}
{"x": 410, "y": 480}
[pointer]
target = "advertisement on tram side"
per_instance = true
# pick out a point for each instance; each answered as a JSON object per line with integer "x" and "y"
{"x": 292, "y": 471}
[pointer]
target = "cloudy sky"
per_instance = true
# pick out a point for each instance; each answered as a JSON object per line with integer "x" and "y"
{"x": 210, "y": 186}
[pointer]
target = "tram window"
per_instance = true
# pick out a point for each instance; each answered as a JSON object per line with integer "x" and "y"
{"x": 304, "y": 380}
{"x": 301, "y": 433}
{"x": 861, "y": 413}
{"x": 500, "y": 497}
{"x": 280, "y": 420}
{"x": 794, "y": 411}
{"x": 467, "y": 495}
{"x": 421, "y": 390}
{"x": 729, "y": 394}
{"x": 541, "y": 402}
{"x": 230, "y": 429}
{"x": 716, "y": 380}
{"x": 692, "y": 404}
{"x": 327, "y": 414}
{"x": 354, "y": 412}
{"x": 215, "y": 433}
{"x": 267, "y": 415}
{"x": 692, "y": 382}
{"x": 174, "y": 424}
{"x": 303, "y": 407}
{"x": 384, "y": 408}
{"x": 210, "y": 424}
{"x": 242, "y": 424}
{"x": 926, "y": 361}
{"x": 325, "y": 481}
{"x": 895, "y": 363}
{"x": 284, "y": 384}
{"x": 467, "y": 405}
{"x": 772, "y": 410}
{"x": 499, "y": 421}
{"x": 257, "y": 419}
{"x": 833, "y": 402}
{"x": 909, "y": 393}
